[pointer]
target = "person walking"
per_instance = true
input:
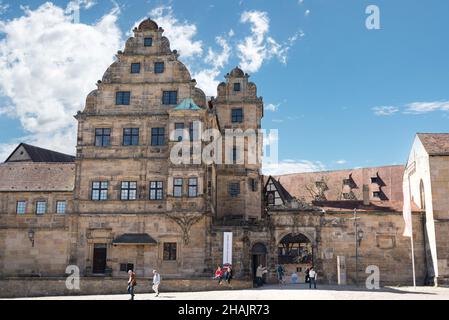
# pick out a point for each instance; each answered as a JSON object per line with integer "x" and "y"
{"x": 156, "y": 282}
{"x": 131, "y": 283}
{"x": 312, "y": 278}
{"x": 280, "y": 274}
{"x": 260, "y": 271}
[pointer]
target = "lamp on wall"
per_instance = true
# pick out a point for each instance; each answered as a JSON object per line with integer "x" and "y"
{"x": 31, "y": 236}
{"x": 360, "y": 236}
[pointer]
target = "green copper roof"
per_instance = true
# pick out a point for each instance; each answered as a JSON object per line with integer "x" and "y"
{"x": 187, "y": 104}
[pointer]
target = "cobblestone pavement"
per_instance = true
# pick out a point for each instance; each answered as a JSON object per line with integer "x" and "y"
{"x": 288, "y": 292}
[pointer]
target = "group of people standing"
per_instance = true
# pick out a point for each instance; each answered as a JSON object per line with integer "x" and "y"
{"x": 132, "y": 282}
{"x": 310, "y": 275}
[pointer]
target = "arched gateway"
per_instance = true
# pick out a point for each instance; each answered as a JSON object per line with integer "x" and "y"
{"x": 295, "y": 252}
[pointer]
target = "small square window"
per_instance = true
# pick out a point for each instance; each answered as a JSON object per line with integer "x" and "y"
{"x": 375, "y": 180}
{"x": 148, "y": 42}
{"x": 41, "y": 207}
{"x": 122, "y": 98}
{"x": 102, "y": 137}
{"x": 21, "y": 207}
{"x": 99, "y": 190}
{"x": 125, "y": 267}
{"x": 61, "y": 207}
{"x": 159, "y": 67}
{"x": 131, "y": 136}
{"x": 237, "y": 86}
{"x": 128, "y": 190}
{"x": 135, "y": 67}
{"x": 377, "y": 194}
{"x": 156, "y": 190}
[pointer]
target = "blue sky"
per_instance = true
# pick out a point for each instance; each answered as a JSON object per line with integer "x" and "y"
{"x": 342, "y": 96}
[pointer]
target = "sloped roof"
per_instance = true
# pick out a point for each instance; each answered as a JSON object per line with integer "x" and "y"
{"x": 283, "y": 193}
{"x": 134, "y": 238}
{"x": 30, "y": 176}
{"x": 436, "y": 144}
{"x": 38, "y": 154}
{"x": 187, "y": 104}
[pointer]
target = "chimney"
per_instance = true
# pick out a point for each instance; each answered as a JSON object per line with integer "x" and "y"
{"x": 366, "y": 201}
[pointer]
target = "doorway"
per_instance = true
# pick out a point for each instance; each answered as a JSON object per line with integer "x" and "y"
{"x": 99, "y": 259}
{"x": 258, "y": 257}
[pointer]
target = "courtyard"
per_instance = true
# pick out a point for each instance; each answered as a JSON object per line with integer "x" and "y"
{"x": 287, "y": 292}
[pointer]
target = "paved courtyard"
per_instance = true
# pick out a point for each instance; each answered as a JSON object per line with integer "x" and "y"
{"x": 288, "y": 292}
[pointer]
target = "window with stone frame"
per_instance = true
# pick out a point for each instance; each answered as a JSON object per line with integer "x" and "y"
{"x": 102, "y": 137}
{"x": 41, "y": 207}
{"x": 253, "y": 184}
{"x": 159, "y": 67}
{"x": 234, "y": 189}
{"x": 177, "y": 187}
{"x": 123, "y": 98}
{"x": 99, "y": 190}
{"x": 125, "y": 267}
{"x": 169, "y": 251}
{"x": 148, "y": 42}
{"x": 237, "y": 115}
{"x": 128, "y": 190}
{"x": 157, "y": 136}
{"x": 61, "y": 207}
{"x": 193, "y": 187}
{"x": 21, "y": 207}
{"x": 131, "y": 136}
{"x": 135, "y": 67}
{"x": 169, "y": 97}
{"x": 237, "y": 86}
{"x": 156, "y": 190}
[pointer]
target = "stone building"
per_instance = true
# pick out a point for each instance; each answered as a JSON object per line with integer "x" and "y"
{"x": 123, "y": 202}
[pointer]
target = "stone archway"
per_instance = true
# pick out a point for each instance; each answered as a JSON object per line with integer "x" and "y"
{"x": 258, "y": 256}
{"x": 295, "y": 252}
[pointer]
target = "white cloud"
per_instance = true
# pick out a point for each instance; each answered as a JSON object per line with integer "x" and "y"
{"x": 253, "y": 50}
{"x": 307, "y": 13}
{"x": 425, "y": 107}
{"x": 272, "y": 107}
{"x": 48, "y": 65}
{"x": 277, "y": 120}
{"x": 385, "y": 110}
{"x": 342, "y": 161}
{"x": 288, "y": 166}
{"x": 180, "y": 33}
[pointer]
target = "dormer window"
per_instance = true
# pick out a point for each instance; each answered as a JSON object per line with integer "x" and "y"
{"x": 237, "y": 86}
{"x": 148, "y": 42}
{"x": 375, "y": 180}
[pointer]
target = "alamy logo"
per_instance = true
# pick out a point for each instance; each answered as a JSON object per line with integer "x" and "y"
{"x": 372, "y": 22}
{"x": 73, "y": 280}
{"x": 373, "y": 280}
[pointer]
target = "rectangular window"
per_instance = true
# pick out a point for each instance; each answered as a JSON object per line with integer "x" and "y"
{"x": 159, "y": 67}
{"x": 156, "y": 190}
{"x": 21, "y": 207}
{"x": 128, "y": 190}
{"x": 237, "y": 86}
{"x": 375, "y": 180}
{"x": 122, "y": 97}
{"x": 177, "y": 187}
{"x": 234, "y": 154}
{"x": 234, "y": 189}
{"x": 157, "y": 136}
{"x": 131, "y": 136}
{"x": 170, "y": 251}
{"x": 135, "y": 67}
{"x": 100, "y": 190}
{"x": 193, "y": 132}
{"x": 148, "y": 42}
{"x": 61, "y": 207}
{"x": 179, "y": 131}
{"x": 41, "y": 207}
{"x": 125, "y": 267}
{"x": 271, "y": 197}
{"x": 102, "y": 137}
{"x": 253, "y": 184}
{"x": 170, "y": 97}
{"x": 237, "y": 115}
{"x": 193, "y": 187}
